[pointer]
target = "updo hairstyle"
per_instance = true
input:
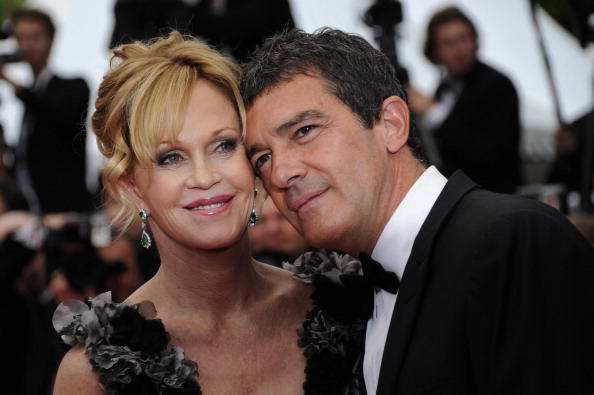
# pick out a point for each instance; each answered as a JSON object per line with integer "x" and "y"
{"x": 143, "y": 99}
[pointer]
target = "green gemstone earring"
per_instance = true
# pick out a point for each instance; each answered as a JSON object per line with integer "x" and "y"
{"x": 145, "y": 239}
{"x": 253, "y": 218}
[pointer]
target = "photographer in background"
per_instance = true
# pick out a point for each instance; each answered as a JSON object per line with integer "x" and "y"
{"x": 50, "y": 155}
{"x": 473, "y": 117}
{"x": 43, "y": 261}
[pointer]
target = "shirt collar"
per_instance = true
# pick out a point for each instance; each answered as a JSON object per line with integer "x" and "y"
{"x": 395, "y": 243}
{"x": 43, "y": 79}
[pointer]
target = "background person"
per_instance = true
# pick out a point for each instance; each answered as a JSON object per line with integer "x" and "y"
{"x": 572, "y": 143}
{"x": 235, "y": 27}
{"x": 473, "y": 117}
{"x": 50, "y": 155}
{"x": 44, "y": 261}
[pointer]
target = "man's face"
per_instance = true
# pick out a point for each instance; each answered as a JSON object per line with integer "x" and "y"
{"x": 325, "y": 172}
{"x": 33, "y": 41}
{"x": 455, "y": 47}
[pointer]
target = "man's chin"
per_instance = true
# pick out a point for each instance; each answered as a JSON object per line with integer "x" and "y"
{"x": 327, "y": 239}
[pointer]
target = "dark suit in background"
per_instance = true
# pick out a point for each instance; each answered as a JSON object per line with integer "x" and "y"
{"x": 52, "y": 144}
{"x": 233, "y": 26}
{"x": 567, "y": 166}
{"x": 496, "y": 298}
{"x": 481, "y": 133}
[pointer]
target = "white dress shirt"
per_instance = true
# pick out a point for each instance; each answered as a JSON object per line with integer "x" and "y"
{"x": 392, "y": 251}
{"x": 436, "y": 115}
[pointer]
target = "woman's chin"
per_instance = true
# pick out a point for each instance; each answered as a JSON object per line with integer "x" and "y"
{"x": 213, "y": 241}
{"x": 219, "y": 236}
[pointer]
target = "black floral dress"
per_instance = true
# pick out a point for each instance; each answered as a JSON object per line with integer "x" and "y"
{"x": 129, "y": 349}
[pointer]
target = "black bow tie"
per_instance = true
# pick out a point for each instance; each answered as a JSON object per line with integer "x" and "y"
{"x": 376, "y": 276}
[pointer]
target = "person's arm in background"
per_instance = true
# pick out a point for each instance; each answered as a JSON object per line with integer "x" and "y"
{"x": 61, "y": 110}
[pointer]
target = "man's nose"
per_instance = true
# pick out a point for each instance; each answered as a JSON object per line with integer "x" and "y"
{"x": 287, "y": 168}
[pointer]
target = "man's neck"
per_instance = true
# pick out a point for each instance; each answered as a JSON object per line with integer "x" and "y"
{"x": 406, "y": 177}
{"x": 38, "y": 69}
{"x": 405, "y": 174}
{"x": 461, "y": 74}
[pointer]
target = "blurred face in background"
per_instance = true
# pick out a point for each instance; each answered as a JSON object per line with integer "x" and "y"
{"x": 61, "y": 289}
{"x": 455, "y": 47}
{"x": 34, "y": 42}
{"x": 274, "y": 233}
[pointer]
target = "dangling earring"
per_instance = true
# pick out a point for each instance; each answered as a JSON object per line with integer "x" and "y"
{"x": 253, "y": 216}
{"x": 145, "y": 239}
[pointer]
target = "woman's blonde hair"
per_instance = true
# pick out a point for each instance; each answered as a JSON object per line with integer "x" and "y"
{"x": 144, "y": 96}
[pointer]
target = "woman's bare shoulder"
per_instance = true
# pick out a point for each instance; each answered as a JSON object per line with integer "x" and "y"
{"x": 145, "y": 292}
{"x": 75, "y": 375}
{"x": 289, "y": 293}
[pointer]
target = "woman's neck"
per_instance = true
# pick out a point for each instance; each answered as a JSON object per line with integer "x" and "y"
{"x": 216, "y": 282}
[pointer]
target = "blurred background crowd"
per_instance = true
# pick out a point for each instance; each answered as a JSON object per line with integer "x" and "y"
{"x": 473, "y": 110}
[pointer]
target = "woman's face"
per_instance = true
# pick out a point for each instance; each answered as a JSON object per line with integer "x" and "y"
{"x": 199, "y": 190}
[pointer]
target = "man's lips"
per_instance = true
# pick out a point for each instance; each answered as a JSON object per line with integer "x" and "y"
{"x": 210, "y": 206}
{"x": 303, "y": 201}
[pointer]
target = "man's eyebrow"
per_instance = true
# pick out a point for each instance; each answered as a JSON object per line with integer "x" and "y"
{"x": 297, "y": 119}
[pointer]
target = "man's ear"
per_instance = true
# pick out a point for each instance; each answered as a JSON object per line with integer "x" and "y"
{"x": 128, "y": 185}
{"x": 395, "y": 119}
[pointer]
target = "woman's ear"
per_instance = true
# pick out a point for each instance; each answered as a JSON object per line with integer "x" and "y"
{"x": 128, "y": 185}
{"x": 395, "y": 119}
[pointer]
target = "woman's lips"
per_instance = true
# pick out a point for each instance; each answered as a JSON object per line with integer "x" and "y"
{"x": 211, "y": 206}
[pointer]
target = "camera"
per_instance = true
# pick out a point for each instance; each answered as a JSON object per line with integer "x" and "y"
{"x": 384, "y": 16}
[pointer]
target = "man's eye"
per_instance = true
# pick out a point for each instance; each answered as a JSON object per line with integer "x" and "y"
{"x": 302, "y": 132}
{"x": 261, "y": 161}
{"x": 169, "y": 158}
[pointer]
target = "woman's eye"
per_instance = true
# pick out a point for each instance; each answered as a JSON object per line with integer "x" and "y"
{"x": 261, "y": 161}
{"x": 169, "y": 158}
{"x": 227, "y": 145}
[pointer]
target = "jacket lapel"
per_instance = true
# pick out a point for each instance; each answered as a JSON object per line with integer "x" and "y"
{"x": 413, "y": 282}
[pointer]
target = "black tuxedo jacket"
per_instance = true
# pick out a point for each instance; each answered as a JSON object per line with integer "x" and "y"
{"x": 481, "y": 133}
{"x": 55, "y": 144}
{"x": 496, "y": 298}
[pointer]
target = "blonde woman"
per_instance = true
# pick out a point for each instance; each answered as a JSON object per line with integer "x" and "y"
{"x": 170, "y": 120}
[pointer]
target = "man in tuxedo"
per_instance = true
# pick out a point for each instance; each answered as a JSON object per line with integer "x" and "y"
{"x": 50, "y": 155}
{"x": 495, "y": 291}
{"x": 474, "y": 116}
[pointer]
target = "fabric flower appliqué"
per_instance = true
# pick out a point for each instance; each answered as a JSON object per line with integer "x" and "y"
{"x": 128, "y": 349}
